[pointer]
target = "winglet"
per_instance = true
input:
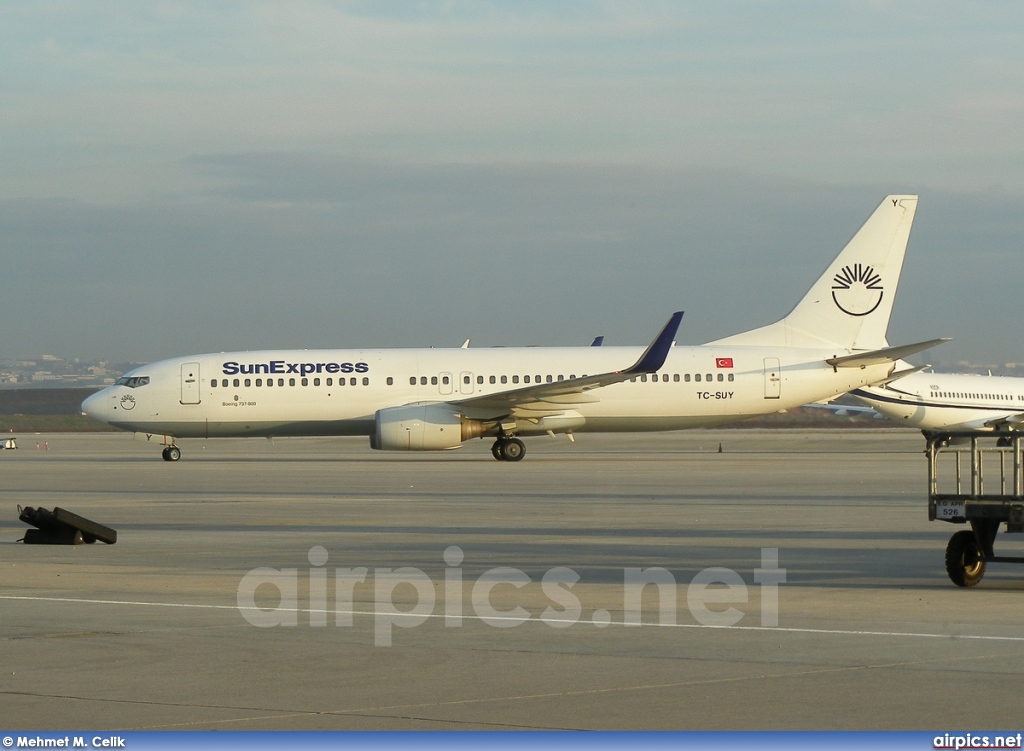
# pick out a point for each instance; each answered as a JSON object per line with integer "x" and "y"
{"x": 598, "y": 341}
{"x": 654, "y": 356}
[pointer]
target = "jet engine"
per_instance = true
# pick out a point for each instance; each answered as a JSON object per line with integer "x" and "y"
{"x": 423, "y": 427}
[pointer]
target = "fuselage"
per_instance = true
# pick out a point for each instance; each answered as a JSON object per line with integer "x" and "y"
{"x": 339, "y": 392}
{"x": 953, "y": 401}
{"x": 831, "y": 342}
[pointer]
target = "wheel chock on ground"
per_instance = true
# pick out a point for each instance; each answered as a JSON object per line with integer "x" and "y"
{"x": 65, "y": 536}
{"x": 62, "y": 527}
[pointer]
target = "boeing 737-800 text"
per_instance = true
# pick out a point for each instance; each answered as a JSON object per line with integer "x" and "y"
{"x": 432, "y": 399}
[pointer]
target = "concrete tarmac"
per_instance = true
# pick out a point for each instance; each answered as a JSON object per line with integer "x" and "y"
{"x": 173, "y": 627}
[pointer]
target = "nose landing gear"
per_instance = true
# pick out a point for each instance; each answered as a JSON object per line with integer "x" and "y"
{"x": 171, "y": 454}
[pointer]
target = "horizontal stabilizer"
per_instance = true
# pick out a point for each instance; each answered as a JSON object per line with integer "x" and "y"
{"x": 900, "y": 374}
{"x": 880, "y": 356}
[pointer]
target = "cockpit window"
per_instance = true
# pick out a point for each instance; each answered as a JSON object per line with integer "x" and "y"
{"x": 133, "y": 383}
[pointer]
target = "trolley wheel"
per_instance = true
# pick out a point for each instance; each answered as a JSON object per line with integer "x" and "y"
{"x": 964, "y": 562}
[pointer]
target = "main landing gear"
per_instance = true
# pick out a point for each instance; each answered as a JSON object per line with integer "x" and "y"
{"x": 171, "y": 454}
{"x": 508, "y": 449}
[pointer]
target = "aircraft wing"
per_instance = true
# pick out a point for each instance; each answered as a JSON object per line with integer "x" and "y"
{"x": 1010, "y": 422}
{"x": 879, "y": 356}
{"x": 542, "y": 399}
{"x": 845, "y": 410}
{"x": 1005, "y": 422}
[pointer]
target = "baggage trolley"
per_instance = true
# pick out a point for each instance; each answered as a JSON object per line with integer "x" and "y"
{"x": 976, "y": 479}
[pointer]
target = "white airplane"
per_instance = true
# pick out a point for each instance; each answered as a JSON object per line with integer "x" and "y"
{"x": 432, "y": 399}
{"x": 948, "y": 401}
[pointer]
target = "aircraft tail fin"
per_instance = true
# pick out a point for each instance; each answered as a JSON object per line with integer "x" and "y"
{"x": 850, "y": 304}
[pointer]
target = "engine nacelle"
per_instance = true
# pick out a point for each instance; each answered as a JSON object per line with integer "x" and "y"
{"x": 428, "y": 427}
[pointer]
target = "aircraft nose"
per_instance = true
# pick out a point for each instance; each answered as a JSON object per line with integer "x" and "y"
{"x": 94, "y": 405}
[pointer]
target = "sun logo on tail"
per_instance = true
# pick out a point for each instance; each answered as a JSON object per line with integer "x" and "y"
{"x": 857, "y": 290}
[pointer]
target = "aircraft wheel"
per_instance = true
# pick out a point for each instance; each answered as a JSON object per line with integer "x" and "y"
{"x": 964, "y": 563}
{"x": 171, "y": 454}
{"x": 498, "y": 450}
{"x": 514, "y": 450}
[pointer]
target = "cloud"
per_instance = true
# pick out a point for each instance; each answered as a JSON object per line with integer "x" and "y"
{"x": 305, "y": 250}
{"x": 183, "y": 176}
{"x": 847, "y": 93}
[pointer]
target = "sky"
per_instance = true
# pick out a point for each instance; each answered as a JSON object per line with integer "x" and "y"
{"x": 186, "y": 177}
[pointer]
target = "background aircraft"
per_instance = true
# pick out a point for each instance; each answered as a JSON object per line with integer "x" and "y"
{"x": 948, "y": 401}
